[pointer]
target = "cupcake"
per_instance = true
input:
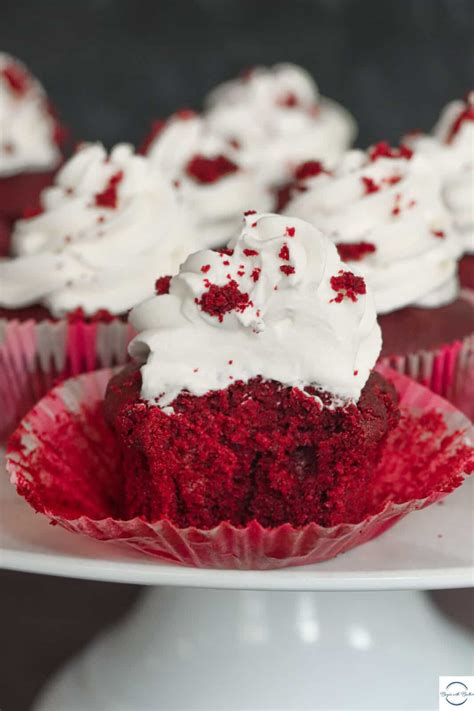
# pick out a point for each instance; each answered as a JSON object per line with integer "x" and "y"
{"x": 206, "y": 170}
{"x": 252, "y": 431}
{"x": 451, "y": 150}
{"x": 383, "y": 209}
{"x": 30, "y": 144}
{"x": 237, "y": 372}
{"x": 278, "y": 115}
{"x": 89, "y": 254}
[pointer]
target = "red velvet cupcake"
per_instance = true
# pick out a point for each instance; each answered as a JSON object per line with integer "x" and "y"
{"x": 30, "y": 145}
{"x": 450, "y": 150}
{"x": 254, "y": 434}
{"x": 79, "y": 263}
{"x": 384, "y": 210}
{"x": 214, "y": 180}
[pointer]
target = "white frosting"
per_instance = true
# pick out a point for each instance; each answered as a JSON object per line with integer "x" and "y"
{"x": 216, "y": 207}
{"x": 292, "y": 327}
{"x": 78, "y": 253}
{"x": 26, "y": 125}
{"x": 410, "y": 265}
{"x": 453, "y": 156}
{"x": 279, "y": 120}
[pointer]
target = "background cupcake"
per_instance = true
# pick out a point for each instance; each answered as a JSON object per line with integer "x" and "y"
{"x": 30, "y": 143}
{"x": 207, "y": 171}
{"x": 383, "y": 209}
{"x": 81, "y": 263}
{"x": 450, "y": 148}
{"x": 278, "y": 115}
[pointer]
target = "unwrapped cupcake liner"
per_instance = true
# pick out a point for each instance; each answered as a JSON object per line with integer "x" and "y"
{"x": 36, "y": 355}
{"x": 447, "y": 371}
{"x": 64, "y": 460}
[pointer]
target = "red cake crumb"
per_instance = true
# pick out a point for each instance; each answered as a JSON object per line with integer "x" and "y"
{"x": 467, "y": 114}
{"x": 384, "y": 150}
{"x": 370, "y": 186}
{"x": 284, "y": 253}
{"x": 162, "y": 285}
{"x": 250, "y": 252}
{"x": 219, "y": 300}
{"x": 16, "y": 78}
{"x": 258, "y": 450}
{"x": 308, "y": 169}
{"x": 290, "y": 100}
{"x": 209, "y": 170}
{"x": 108, "y": 197}
{"x": 354, "y": 251}
{"x": 250, "y": 212}
{"x": 287, "y": 269}
{"x": 348, "y": 286}
{"x": 438, "y": 233}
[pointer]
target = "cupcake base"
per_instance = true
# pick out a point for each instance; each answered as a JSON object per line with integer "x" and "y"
{"x": 18, "y": 192}
{"x": 466, "y": 271}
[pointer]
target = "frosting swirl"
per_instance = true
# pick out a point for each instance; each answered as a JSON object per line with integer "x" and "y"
{"x": 278, "y": 304}
{"x": 451, "y": 150}
{"x": 278, "y": 119}
{"x": 206, "y": 170}
{"x": 383, "y": 209}
{"x": 29, "y": 134}
{"x": 107, "y": 226}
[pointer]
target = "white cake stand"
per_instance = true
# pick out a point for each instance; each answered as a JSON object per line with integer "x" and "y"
{"x": 352, "y": 633}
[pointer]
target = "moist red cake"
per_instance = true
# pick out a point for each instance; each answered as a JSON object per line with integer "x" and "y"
{"x": 466, "y": 271}
{"x": 413, "y": 328}
{"x": 256, "y": 450}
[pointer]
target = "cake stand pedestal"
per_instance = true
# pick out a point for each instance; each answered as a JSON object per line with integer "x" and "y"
{"x": 353, "y": 633}
{"x": 216, "y": 650}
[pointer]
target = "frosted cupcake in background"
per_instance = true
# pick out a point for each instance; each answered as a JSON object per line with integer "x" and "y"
{"x": 276, "y": 117}
{"x": 450, "y": 147}
{"x": 384, "y": 211}
{"x": 252, "y": 431}
{"x": 206, "y": 171}
{"x": 92, "y": 251}
{"x": 30, "y": 143}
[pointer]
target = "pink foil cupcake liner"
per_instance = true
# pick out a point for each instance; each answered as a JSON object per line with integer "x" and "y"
{"x": 64, "y": 461}
{"x": 35, "y": 355}
{"x": 447, "y": 371}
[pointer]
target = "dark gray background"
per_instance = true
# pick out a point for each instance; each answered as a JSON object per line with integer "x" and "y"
{"x": 113, "y": 65}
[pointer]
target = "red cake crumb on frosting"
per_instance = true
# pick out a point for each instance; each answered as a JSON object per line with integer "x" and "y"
{"x": 347, "y": 285}
{"x": 354, "y": 251}
{"x": 108, "y": 197}
{"x": 210, "y": 170}
{"x": 304, "y": 171}
{"x": 258, "y": 450}
{"x": 467, "y": 114}
{"x": 162, "y": 285}
{"x": 16, "y": 78}
{"x": 219, "y": 300}
{"x": 384, "y": 150}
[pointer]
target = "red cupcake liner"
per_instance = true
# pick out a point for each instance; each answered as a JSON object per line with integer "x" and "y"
{"x": 35, "y": 355}
{"x": 63, "y": 460}
{"x": 447, "y": 371}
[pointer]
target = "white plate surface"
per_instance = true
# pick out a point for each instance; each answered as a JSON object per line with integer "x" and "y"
{"x": 429, "y": 549}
